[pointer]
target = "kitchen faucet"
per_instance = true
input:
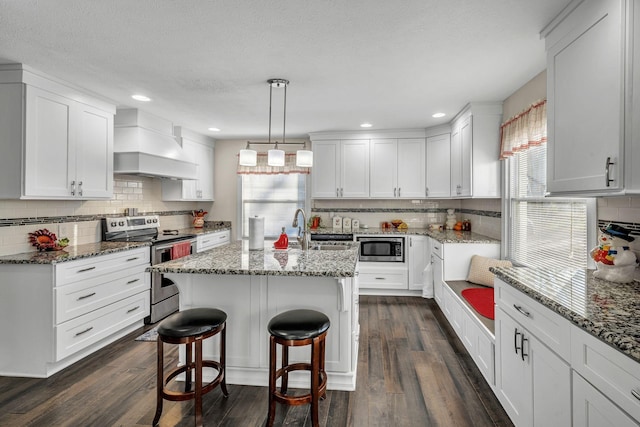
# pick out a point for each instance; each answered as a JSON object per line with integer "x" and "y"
{"x": 304, "y": 240}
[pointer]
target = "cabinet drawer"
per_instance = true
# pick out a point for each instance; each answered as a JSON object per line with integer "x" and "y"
{"x": 82, "y": 297}
{"x": 384, "y": 280}
{"x": 616, "y": 375}
{"x": 437, "y": 248}
{"x": 212, "y": 240}
{"x": 547, "y": 326}
{"x": 84, "y": 269}
{"x": 81, "y": 332}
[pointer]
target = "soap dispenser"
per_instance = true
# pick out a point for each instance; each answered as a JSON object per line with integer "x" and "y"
{"x": 283, "y": 241}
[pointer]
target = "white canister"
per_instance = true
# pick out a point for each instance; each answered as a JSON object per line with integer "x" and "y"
{"x": 355, "y": 224}
{"x": 346, "y": 224}
{"x": 337, "y": 223}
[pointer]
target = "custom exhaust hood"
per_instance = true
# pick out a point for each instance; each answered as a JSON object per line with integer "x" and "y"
{"x": 144, "y": 144}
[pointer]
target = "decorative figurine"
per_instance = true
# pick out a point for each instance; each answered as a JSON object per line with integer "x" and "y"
{"x": 615, "y": 261}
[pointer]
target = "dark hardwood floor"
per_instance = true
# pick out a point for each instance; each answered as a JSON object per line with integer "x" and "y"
{"x": 412, "y": 371}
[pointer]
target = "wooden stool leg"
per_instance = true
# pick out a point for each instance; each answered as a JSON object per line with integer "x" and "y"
{"x": 284, "y": 385}
{"x": 198, "y": 385}
{"x": 159, "y": 382}
{"x": 272, "y": 381}
{"x": 223, "y": 360}
{"x": 322, "y": 354}
{"x": 315, "y": 380}
{"x": 189, "y": 364}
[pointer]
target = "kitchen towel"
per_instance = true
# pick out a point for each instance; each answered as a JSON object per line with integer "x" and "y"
{"x": 180, "y": 250}
{"x": 256, "y": 233}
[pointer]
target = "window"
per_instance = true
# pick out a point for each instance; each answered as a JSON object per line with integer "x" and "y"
{"x": 543, "y": 232}
{"x": 274, "y": 197}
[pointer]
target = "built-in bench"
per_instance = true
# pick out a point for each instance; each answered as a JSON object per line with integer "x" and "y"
{"x": 476, "y": 332}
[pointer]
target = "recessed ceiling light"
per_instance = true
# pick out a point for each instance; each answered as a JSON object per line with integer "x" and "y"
{"x": 142, "y": 98}
{"x": 214, "y": 129}
{"x": 438, "y": 115}
{"x": 366, "y": 125}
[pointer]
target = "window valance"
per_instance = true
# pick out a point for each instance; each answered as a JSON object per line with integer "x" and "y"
{"x": 262, "y": 168}
{"x": 526, "y": 129}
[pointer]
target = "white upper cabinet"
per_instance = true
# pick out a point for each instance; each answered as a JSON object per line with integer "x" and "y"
{"x": 475, "y": 147}
{"x": 397, "y": 168}
{"x": 586, "y": 98}
{"x": 438, "y": 166}
{"x": 197, "y": 149}
{"x": 57, "y": 142}
{"x": 341, "y": 169}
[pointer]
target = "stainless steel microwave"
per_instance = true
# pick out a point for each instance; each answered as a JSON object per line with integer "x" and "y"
{"x": 381, "y": 248}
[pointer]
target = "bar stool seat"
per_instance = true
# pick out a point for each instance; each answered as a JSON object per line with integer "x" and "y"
{"x": 191, "y": 327}
{"x": 291, "y": 329}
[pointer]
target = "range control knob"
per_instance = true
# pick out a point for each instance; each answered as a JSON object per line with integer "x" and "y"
{"x": 155, "y": 220}
{"x": 113, "y": 223}
{"x": 148, "y": 221}
{"x": 121, "y": 223}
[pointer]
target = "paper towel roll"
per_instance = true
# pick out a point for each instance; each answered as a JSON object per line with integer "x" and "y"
{"x": 256, "y": 233}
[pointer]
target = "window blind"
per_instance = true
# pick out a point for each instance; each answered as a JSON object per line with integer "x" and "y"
{"x": 543, "y": 232}
{"x": 274, "y": 197}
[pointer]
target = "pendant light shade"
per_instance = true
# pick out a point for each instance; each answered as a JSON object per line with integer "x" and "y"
{"x": 275, "y": 157}
{"x": 304, "y": 158}
{"x": 248, "y": 157}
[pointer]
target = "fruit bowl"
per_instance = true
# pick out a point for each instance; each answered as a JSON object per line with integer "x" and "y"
{"x": 396, "y": 222}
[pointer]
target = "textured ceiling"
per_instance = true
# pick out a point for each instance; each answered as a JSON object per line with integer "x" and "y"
{"x": 205, "y": 62}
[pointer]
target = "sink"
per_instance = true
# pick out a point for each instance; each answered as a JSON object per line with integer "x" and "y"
{"x": 329, "y": 248}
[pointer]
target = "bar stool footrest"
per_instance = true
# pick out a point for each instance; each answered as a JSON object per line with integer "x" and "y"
{"x": 178, "y": 396}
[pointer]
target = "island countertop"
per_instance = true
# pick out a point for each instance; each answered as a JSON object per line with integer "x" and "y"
{"x": 236, "y": 258}
{"x": 610, "y": 311}
{"x": 71, "y": 253}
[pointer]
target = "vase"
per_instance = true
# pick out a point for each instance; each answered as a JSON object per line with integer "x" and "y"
{"x": 198, "y": 222}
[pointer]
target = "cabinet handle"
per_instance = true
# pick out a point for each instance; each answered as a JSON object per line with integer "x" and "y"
{"x": 399, "y": 190}
{"x": 607, "y": 165}
{"x": 521, "y": 310}
{"x": 84, "y": 332}
{"x": 426, "y": 191}
{"x": 410, "y": 242}
{"x": 515, "y": 341}
{"x": 337, "y": 192}
{"x": 379, "y": 278}
{"x": 85, "y": 270}
{"x": 635, "y": 394}
{"x": 522, "y": 353}
{"x": 341, "y": 192}
{"x": 132, "y": 281}
{"x": 80, "y": 188}
{"x": 394, "y": 192}
{"x": 133, "y": 309}
{"x": 132, "y": 259}
{"x": 86, "y": 296}
{"x": 73, "y": 188}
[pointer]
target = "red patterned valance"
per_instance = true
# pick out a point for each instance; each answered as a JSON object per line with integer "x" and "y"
{"x": 262, "y": 168}
{"x": 529, "y": 128}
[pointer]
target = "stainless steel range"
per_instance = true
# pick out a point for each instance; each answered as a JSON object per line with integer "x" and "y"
{"x": 146, "y": 228}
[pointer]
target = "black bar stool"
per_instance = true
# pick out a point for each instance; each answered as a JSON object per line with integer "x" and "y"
{"x": 291, "y": 329}
{"x": 191, "y": 327}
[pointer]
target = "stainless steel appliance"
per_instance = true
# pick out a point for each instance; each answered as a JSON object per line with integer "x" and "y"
{"x": 146, "y": 228}
{"x": 381, "y": 248}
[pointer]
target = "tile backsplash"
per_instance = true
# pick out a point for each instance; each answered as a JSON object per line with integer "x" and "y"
{"x": 79, "y": 220}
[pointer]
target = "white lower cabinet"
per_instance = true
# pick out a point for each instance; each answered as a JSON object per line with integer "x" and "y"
{"x": 419, "y": 256}
{"x": 533, "y": 384}
{"x": 592, "y": 409}
{"x": 204, "y": 242}
{"x": 64, "y": 312}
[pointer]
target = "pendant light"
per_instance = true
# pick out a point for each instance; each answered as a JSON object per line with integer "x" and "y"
{"x": 275, "y": 157}
{"x": 304, "y": 158}
{"x": 248, "y": 157}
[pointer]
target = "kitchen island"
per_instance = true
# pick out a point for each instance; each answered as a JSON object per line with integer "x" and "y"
{"x": 253, "y": 286}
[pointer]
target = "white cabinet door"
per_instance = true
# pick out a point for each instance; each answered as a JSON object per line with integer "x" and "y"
{"x": 354, "y": 164}
{"x": 513, "y": 374}
{"x": 94, "y": 153}
{"x": 199, "y": 189}
{"x": 585, "y": 86}
{"x": 384, "y": 168}
{"x": 438, "y": 166}
{"x": 592, "y": 409}
{"x": 551, "y": 386}
{"x": 418, "y": 258}
{"x": 49, "y": 151}
{"x": 411, "y": 168}
{"x": 461, "y": 160}
{"x": 325, "y": 174}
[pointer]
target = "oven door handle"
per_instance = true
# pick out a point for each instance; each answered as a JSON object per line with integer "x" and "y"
{"x": 169, "y": 245}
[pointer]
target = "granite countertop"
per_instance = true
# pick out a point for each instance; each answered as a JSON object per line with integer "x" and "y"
{"x": 207, "y": 229}
{"x": 70, "y": 253}
{"x": 236, "y": 258}
{"x": 446, "y": 236}
{"x": 610, "y": 311}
